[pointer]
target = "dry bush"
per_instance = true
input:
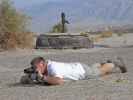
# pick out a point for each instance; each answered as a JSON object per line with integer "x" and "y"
{"x": 106, "y": 34}
{"x": 13, "y": 27}
{"x": 103, "y": 35}
{"x": 119, "y": 34}
{"x": 84, "y": 34}
{"x": 16, "y": 40}
{"x": 25, "y": 40}
{"x": 97, "y": 39}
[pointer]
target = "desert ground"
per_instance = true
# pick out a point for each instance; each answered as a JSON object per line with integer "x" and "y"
{"x": 116, "y": 86}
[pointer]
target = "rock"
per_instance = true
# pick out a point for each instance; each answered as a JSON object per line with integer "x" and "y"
{"x": 63, "y": 41}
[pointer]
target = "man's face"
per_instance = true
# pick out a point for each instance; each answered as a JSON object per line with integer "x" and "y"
{"x": 41, "y": 67}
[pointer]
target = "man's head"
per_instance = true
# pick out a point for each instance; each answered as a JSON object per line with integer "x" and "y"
{"x": 39, "y": 64}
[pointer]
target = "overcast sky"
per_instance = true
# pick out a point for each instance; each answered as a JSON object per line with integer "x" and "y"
{"x": 26, "y": 3}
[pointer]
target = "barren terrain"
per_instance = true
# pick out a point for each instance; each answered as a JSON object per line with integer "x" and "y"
{"x": 116, "y": 86}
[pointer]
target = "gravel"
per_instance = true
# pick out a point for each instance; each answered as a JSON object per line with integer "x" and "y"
{"x": 116, "y": 86}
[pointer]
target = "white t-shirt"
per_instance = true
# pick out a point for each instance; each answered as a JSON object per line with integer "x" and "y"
{"x": 67, "y": 71}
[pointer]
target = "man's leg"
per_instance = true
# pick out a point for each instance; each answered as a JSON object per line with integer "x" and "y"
{"x": 106, "y": 68}
{"x": 110, "y": 65}
{"x": 99, "y": 69}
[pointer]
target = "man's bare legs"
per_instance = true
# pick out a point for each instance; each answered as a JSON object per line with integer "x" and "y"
{"x": 106, "y": 68}
{"x": 110, "y": 65}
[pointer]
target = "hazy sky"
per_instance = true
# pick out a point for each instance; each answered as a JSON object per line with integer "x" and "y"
{"x": 21, "y": 3}
{"x": 79, "y": 12}
{"x": 27, "y": 3}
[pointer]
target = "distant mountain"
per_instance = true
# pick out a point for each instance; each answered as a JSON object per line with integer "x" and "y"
{"x": 82, "y": 14}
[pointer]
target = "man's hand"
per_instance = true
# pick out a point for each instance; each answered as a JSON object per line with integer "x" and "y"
{"x": 39, "y": 77}
{"x": 53, "y": 80}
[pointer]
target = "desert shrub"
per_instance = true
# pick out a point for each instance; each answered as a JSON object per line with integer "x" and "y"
{"x": 24, "y": 40}
{"x": 103, "y": 35}
{"x": 13, "y": 27}
{"x": 106, "y": 34}
{"x": 97, "y": 38}
{"x": 84, "y": 34}
{"x": 61, "y": 26}
{"x": 58, "y": 28}
{"x": 16, "y": 40}
{"x": 119, "y": 34}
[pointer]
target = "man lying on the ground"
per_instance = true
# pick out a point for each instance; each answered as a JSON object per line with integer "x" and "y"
{"x": 56, "y": 73}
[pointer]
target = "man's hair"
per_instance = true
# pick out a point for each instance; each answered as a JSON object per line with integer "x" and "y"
{"x": 37, "y": 60}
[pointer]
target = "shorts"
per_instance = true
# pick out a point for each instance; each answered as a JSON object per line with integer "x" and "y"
{"x": 92, "y": 71}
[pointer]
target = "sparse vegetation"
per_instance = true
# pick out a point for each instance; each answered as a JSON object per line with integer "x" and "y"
{"x": 120, "y": 34}
{"x": 84, "y": 34}
{"x": 60, "y": 27}
{"x": 13, "y": 31}
{"x": 106, "y": 34}
{"x": 102, "y": 35}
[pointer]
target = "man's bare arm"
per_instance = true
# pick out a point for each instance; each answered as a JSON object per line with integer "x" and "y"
{"x": 54, "y": 80}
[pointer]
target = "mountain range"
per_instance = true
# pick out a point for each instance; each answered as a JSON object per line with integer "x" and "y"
{"x": 82, "y": 14}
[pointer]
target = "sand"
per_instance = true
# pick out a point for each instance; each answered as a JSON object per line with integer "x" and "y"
{"x": 116, "y": 86}
{"x": 118, "y": 41}
{"x": 112, "y": 87}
